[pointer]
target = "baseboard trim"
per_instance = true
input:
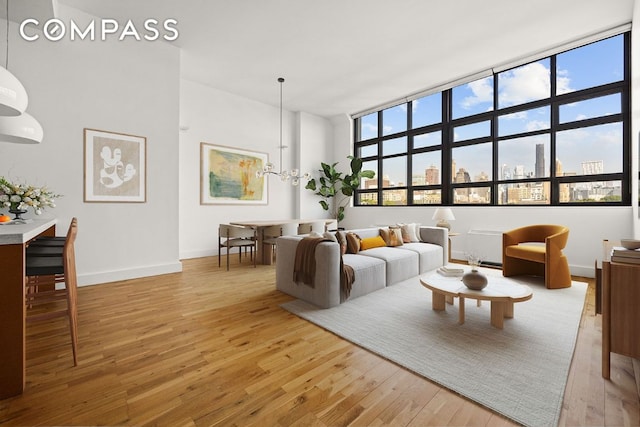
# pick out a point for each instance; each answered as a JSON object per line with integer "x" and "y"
{"x": 126, "y": 274}
{"x": 198, "y": 254}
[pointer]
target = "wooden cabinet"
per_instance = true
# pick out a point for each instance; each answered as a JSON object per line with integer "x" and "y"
{"x": 620, "y": 311}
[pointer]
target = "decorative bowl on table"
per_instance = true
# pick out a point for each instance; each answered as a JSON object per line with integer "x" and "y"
{"x": 630, "y": 243}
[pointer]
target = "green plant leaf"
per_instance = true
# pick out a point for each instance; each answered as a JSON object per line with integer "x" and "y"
{"x": 311, "y": 185}
{"x": 347, "y": 191}
{"x": 356, "y": 165}
{"x": 324, "y": 205}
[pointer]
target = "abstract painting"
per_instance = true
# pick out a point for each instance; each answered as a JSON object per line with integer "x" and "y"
{"x": 228, "y": 176}
{"x": 114, "y": 167}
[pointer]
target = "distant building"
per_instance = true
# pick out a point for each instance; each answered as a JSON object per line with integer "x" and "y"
{"x": 540, "y": 164}
{"x": 432, "y": 175}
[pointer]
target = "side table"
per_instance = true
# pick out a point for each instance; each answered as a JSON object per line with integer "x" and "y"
{"x": 451, "y": 234}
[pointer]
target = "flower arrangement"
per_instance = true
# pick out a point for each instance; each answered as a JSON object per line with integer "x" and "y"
{"x": 20, "y": 197}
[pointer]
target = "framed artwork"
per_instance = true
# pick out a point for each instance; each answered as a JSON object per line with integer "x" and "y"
{"x": 228, "y": 176}
{"x": 115, "y": 167}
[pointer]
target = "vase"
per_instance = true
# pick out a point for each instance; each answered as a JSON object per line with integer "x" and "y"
{"x": 475, "y": 280}
{"x": 17, "y": 212}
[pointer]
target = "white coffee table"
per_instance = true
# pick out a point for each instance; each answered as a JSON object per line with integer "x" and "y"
{"x": 501, "y": 291}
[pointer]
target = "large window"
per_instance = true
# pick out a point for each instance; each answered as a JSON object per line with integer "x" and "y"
{"x": 555, "y": 131}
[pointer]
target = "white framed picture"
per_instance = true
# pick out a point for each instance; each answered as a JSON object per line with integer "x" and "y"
{"x": 115, "y": 167}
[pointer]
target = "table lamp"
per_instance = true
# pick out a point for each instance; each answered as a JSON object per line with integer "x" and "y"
{"x": 443, "y": 215}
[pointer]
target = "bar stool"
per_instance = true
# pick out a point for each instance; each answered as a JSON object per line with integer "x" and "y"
{"x": 50, "y": 269}
{"x": 50, "y": 241}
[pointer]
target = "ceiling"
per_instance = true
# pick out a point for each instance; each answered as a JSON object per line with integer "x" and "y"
{"x": 345, "y": 56}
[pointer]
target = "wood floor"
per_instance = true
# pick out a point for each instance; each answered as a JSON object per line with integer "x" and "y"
{"x": 211, "y": 347}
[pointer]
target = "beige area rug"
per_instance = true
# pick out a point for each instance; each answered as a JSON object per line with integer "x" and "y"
{"x": 519, "y": 371}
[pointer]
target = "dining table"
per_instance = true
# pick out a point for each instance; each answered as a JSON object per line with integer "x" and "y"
{"x": 265, "y": 252}
{"x": 14, "y": 237}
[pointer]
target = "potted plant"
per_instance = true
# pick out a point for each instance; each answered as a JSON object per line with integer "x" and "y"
{"x": 335, "y": 188}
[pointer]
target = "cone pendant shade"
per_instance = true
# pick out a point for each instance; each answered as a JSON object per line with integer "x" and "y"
{"x": 13, "y": 96}
{"x": 23, "y": 129}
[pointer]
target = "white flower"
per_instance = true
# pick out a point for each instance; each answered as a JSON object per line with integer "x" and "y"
{"x": 24, "y": 196}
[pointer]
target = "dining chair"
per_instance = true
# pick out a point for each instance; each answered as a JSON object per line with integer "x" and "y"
{"x": 315, "y": 226}
{"x": 51, "y": 285}
{"x": 270, "y": 234}
{"x": 234, "y": 236}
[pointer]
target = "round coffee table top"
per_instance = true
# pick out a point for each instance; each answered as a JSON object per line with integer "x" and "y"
{"x": 498, "y": 287}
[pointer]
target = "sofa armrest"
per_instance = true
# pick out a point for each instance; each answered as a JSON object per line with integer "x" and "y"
{"x": 325, "y": 291}
{"x": 437, "y": 236}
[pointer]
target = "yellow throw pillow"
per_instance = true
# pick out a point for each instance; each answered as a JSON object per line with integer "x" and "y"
{"x": 372, "y": 242}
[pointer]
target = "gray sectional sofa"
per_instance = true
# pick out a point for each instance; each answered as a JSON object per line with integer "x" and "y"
{"x": 373, "y": 268}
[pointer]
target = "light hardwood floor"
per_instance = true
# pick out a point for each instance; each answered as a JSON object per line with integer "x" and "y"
{"x": 211, "y": 347}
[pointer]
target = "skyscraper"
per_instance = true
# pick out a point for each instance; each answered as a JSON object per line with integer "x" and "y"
{"x": 540, "y": 161}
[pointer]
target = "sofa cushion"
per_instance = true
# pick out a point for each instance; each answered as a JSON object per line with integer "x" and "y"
{"x": 429, "y": 255}
{"x": 401, "y": 264}
{"x": 369, "y": 273}
{"x": 535, "y": 253}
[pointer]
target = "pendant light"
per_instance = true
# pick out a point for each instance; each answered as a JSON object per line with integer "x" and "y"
{"x": 284, "y": 175}
{"x": 22, "y": 129}
{"x": 15, "y": 125}
{"x": 13, "y": 96}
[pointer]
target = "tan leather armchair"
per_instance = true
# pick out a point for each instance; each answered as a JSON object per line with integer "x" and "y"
{"x": 520, "y": 258}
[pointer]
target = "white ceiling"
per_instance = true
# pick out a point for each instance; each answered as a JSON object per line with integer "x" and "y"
{"x": 344, "y": 56}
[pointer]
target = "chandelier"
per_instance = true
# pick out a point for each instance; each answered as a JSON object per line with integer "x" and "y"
{"x": 268, "y": 169}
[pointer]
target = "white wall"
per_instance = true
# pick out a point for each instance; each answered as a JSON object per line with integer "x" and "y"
{"x": 126, "y": 87}
{"x": 221, "y": 118}
{"x": 316, "y": 141}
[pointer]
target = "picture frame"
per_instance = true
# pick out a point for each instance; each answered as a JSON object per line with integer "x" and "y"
{"x": 228, "y": 176}
{"x": 115, "y": 167}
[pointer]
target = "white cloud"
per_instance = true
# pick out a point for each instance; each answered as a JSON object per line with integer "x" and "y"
{"x": 370, "y": 128}
{"x": 482, "y": 92}
{"x": 537, "y": 125}
{"x": 520, "y": 115}
{"x": 563, "y": 82}
{"x": 523, "y": 84}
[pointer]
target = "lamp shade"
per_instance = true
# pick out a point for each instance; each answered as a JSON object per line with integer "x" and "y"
{"x": 443, "y": 215}
{"x": 23, "y": 129}
{"x": 13, "y": 96}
